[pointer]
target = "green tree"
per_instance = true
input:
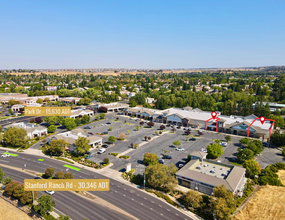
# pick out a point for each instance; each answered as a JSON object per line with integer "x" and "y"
{"x": 82, "y": 145}
{"x": 2, "y": 174}
{"x": 193, "y": 199}
{"x": 13, "y": 102}
{"x": 27, "y": 197}
{"x": 85, "y": 119}
{"x": 102, "y": 115}
{"x": 57, "y": 147}
{"x": 156, "y": 132}
{"x": 51, "y": 129}
{"x": 9, "y": 189}
{"x": 245, "y": 154}
{"x": 256, "y": 146}
{"x": 228, "y": 138}
{"x": 18, "y": 191}
{"x": 176, "y": 143}
{"x": 49, "y": 172}
{"x": 163, "y": 176}
{"x": 138, "y": 128}
{"x": 15, "y": 137}
{"x": 62, "y": 217}
{"x": 214, "y": 151}
{"x": 6, "y": 180}
{"x": 150, "y": 159}
{"x": 50, "y": 120}
{"x": 222, "y": 193}
{"x": 68, "y": 176}
{"x": 59, "y": 175}
{"x": 252, "y": 168}
{"x": 106, "y": 160}
{"x": 112, "y": 139}
{"x": 10, "y": 111}
{"x": 45, "y": 205}
{"x": 69, "y": 124}
{"x": 40, "y": 101}
{"x": 110, "y": 128}
{"x": 128, "y": 132}
{"x": 77, "y": 121}
{"x": 220, "y": 208}
{"x": 244, "y": 141}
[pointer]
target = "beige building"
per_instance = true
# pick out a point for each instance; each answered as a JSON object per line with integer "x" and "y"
{"x": 33, "y": 131}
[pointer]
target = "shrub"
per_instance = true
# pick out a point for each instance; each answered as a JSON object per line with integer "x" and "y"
{"x": 68, "y": 176}
{"x": 106, "y": 160}
{"x": 136, "y": 146}
{"x": 113, "y": 154}
{"x": 124, "y": 157}
{"x": 59, "y": 175}
{"x": 49, "y": 172}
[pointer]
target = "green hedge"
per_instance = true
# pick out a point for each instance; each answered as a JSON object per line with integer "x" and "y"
{"x": 124, "y": 157}
{"x": 114, "y": 154}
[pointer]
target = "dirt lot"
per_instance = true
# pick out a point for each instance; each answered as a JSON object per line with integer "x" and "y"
{"x": 267, "y": 204}
{"x": 8, "y": 211}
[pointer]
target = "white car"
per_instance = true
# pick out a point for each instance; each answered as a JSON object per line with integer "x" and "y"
{"x": 50, "y": 192}
{"x": 224, "y": 144}
{"x": 204, "y": 150}
{"x": 5, "y": 155}
{"x": 180, "y": 149}
{"x": 101, "y": 151}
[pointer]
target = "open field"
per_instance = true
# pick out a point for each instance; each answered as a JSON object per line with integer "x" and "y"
{"x": 8, "y": 211}
{"x": 281, "y": 174}
{"x": 268, "y": 203}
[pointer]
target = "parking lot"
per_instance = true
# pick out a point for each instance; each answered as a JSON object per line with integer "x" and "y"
{"x": 157, "y": 145}
{"x": 160, "y": 144}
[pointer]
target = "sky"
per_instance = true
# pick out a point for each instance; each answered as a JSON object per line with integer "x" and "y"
{"x": 141, "y": 34}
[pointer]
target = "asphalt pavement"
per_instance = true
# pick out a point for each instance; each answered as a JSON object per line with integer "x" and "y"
{"x": 68, "y": 203}
{"x": 134, "y": 201}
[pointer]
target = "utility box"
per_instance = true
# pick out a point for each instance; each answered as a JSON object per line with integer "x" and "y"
{"x": 128, "y": 167}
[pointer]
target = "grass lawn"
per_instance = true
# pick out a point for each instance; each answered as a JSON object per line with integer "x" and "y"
{"x": 234, "y": 163}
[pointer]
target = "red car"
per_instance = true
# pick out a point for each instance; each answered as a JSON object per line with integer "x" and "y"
{"x": 90, "y": 133}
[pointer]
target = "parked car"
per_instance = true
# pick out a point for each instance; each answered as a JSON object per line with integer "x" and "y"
{"x": 89, "y": 156}
{"x": 87, "y": 127}
{"x": 180, "y": 149}
{"x": 204, "y": 150}
{"x": 105, "y": 132}
{"x": 161, "y": 161}
{"x": 7, "y": 115}
{"x": 200, "y": 133}
{"x": 224, "y": 144}
{"x": 108, "y": 123}
{"x": 105, "y": 145}
{"x": 90, "y": 133}
{"x": 192, "y": 139}
{"x": 50, "y": 192}
{"x": 37, "y": 177}
{"x": 101, "y": 151}
{"x": 179, "y": 127}
{"x": 167, "y": 157}
{"x": 5, "y": 155}
{"x": 168, "y": 125}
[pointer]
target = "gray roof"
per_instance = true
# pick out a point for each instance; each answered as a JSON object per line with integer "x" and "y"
{"x": 230, "y": 182}
{"x": 199, "y": 154}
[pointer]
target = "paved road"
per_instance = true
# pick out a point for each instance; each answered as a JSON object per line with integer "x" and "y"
{"x": 14, "y": 120}
{"x": 65, "y": 202}
{"x": 132, "y": 200}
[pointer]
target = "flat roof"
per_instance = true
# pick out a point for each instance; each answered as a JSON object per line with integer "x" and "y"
{"x": 231, "y": 180}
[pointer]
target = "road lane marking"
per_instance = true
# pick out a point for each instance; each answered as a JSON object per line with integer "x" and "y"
{"x": 4, "y": 161}
{"x": 138, "y": 195}
{"x": 132, "y": 199}
{"x": 152, "y": 201}
{"x": 177, "y": 214}
{"x": 124, "y": 195}
{"x": 144, "y": 198}
{"x": 142, "y": 203}
{"x": 151, "y": 208}
{"x": 160, "y": 205}
{"x": 168, "y": 210}
{"x": 161, "y": 213}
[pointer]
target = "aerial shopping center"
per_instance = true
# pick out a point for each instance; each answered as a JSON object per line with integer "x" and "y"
{"x": 196, "y": 118}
